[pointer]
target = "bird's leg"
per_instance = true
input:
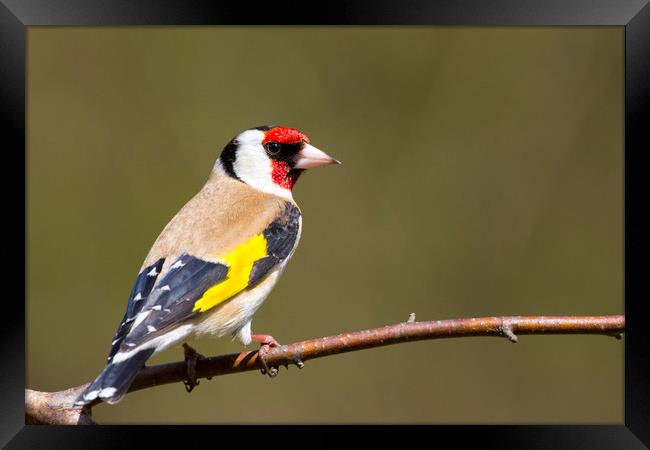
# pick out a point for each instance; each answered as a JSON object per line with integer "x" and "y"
{"x": 266, "y": 341}
{"x": 191, "y": 357}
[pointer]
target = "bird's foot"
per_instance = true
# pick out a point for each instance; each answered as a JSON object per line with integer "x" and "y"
{"x": 266, "y": 341}
{"x": 191, "y": 357}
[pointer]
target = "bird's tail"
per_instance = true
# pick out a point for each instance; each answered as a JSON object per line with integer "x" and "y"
{"x": 115, "y": 379}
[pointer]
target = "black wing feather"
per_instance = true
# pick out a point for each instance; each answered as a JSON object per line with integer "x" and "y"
{"x": 139, "y": 294}
{"x": 281, "y": 235}
{"x": 173, "y": 298}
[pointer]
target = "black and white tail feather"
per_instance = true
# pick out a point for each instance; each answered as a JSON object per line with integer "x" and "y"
{"x": 115, "y": 379}
{"x": 157, "y": 316}
{"x": 113, "y": 382}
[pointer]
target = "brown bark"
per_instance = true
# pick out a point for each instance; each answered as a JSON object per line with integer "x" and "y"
{"x": 58, "y": 408}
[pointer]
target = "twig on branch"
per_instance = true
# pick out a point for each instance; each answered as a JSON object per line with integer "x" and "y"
{"x": 58, "y": 408}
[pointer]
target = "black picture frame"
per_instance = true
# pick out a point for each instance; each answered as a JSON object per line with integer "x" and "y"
{"x": 633, "y": 15}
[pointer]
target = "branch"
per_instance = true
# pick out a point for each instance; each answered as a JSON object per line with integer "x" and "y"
{"x": 58, "y": 408}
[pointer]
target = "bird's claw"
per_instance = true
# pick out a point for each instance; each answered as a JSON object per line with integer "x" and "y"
{"x": 191, "y": 357}
{"x": 266, "y": 342}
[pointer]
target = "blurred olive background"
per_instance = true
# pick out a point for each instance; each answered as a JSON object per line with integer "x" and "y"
{"x": 482, "y": 175}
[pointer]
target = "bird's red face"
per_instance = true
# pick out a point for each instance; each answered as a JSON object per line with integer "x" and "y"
{"x": 275, "y": 140}
{"x": 271, "y": 158}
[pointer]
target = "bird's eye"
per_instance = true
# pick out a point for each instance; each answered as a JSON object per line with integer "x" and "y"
{"x": 273, "y": 148}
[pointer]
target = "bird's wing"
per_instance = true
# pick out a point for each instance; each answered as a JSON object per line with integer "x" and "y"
{"x": 144, "y": 283}
{"x": 194, "y": 285}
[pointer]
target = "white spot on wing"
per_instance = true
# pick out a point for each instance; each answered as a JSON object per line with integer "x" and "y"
{"x": 137, "y": 297}
{"x": 130, "y": 344}
{"x": 107, "y": 392}
{"x": 165, "y": 288}
{"x": 177, "y": 264}
{"x": 114, "y": 342}
{"x": 151, "y": 329}
{"x": 140, "y": 317}
{"x": 152, "y": 272}
{"x": 92, "y": 395}
{"x": 156, "y": 308}
{"x": 123, "y": 356}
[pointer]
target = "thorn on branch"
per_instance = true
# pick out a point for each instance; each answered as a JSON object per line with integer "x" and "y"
{"x": 297, "y": 360}
{"x": 506, "y": 331}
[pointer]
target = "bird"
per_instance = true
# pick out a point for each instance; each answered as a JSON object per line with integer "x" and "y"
{"x": 217, "y": 259}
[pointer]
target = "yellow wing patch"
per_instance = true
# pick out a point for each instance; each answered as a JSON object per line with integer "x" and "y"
{"x": 240, "y": 263}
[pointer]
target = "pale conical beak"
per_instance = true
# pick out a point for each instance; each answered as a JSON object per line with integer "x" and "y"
{"x": 310, "y": 157}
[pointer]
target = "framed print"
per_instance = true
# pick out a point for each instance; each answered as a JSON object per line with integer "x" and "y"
{"x": 487, "y": 187}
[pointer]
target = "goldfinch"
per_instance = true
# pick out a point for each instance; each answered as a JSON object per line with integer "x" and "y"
{"x": 217, "y": 260}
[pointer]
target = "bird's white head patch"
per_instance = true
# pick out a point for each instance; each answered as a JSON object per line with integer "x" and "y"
{"x": 270, "y": 158}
